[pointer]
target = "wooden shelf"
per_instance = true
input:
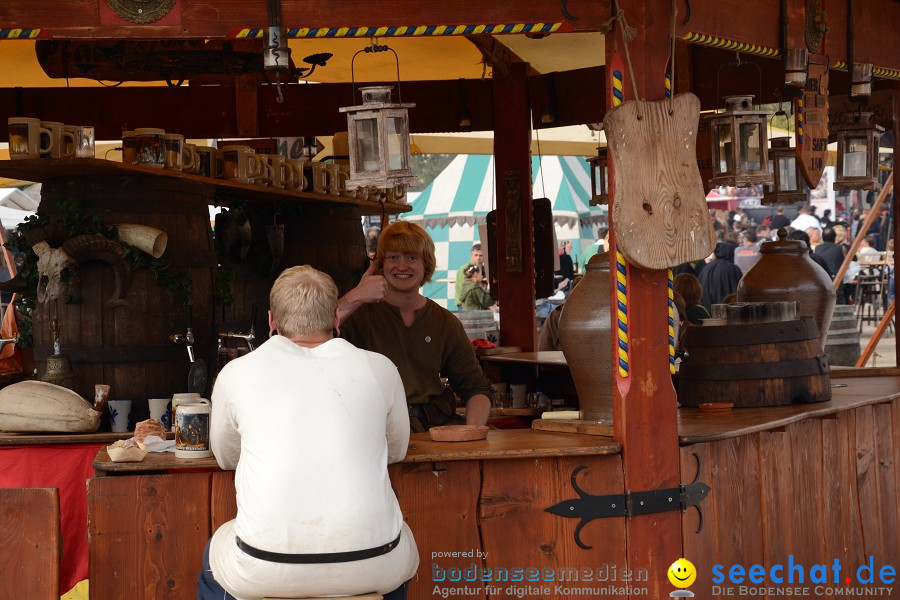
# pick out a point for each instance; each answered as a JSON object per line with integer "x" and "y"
{"x": 40, "y": 170}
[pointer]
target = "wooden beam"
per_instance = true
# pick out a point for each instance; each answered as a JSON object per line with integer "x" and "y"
{"x": 644, "y": 401}
{"x": 758, "y": 23}
{"x": 212, "y": 111}
{"x": 896, "y": 212}
{"x": 515, "y": 239}
{"x": 224, "y": 18}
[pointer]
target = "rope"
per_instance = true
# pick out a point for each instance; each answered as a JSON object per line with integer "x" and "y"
{"x": 628, "y": 34}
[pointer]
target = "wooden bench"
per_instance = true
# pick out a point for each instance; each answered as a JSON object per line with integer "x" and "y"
{"x": 30, "y": 542}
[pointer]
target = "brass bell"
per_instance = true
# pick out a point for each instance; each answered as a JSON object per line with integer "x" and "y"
{"x": 59, "y": 368}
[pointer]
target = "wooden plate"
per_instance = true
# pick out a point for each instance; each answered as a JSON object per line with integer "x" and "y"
{"x": 715, "y": 406}
{"x": 458, "y": 433}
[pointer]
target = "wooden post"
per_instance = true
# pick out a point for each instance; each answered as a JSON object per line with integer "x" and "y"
{"x": 644, "y": 401}
{"x": 896, "y": 122}
{"x": 515, "y": 234}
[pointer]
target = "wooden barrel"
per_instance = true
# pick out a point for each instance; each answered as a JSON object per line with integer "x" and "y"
{"x": 763, "y": 364}
{"x": 479, "y": 324}
{"x": 842, "y": 341}
{"x": 126, "y": 344}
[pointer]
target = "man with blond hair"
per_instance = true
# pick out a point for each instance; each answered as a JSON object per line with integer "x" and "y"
{"x": 309, "y": 423}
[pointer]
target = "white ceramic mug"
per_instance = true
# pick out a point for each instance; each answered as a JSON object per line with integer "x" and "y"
{"x": 188, "y": 397}
{"x": 242, "y": 164}
{"x": 208, "y": 164}
{"x": 190, "y": 159}
{"x": 192, "y": 429}
{"x": 119, "y": 414}
{"x": 298, "y": 166}
{"x": 159, "y": 410}
{"x": 59, "y": 147}
{"x": 150, "y": 147}
{"x": 281, "y": 175}
{"x": 322, "y": 178}
{"x": 27, "y": 139}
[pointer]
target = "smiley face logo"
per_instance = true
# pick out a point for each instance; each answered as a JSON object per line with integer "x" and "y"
{"x": 682, "y": 573}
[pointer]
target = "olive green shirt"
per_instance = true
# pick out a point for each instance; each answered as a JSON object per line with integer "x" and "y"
{"x": 434, "y": 346}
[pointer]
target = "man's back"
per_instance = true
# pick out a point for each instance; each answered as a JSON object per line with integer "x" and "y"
{"x": 311, "y": 432}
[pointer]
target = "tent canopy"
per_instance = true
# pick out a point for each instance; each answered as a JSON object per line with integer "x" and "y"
{"x": 464, "y": 192}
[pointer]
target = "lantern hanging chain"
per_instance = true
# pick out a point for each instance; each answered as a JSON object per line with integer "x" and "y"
{"x": 737, "y": 62}
{"x": 628, "y": 34}
{"x": 540, "y": 162}
{"x": 374, "y": 47}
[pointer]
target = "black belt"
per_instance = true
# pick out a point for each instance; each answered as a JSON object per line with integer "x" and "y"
{"x": 324, "y": 557}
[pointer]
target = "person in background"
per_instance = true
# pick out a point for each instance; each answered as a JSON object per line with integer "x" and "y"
{"x": 387, "y": 313}
{"x": 310, "y": 424}
{"x": 763, "y": 234}
{"x": 815, "y": 237}
{"x": 801, "y": 236}
{"x": 825, "y": 219}
{"x": 476, "y": 260}
{"x": 562, "y": 279}
{"x": 747, "y": 254}
{"x": 474, "y": 295}
{"x": 598, "y": 247}
{"x": 830, "y": 252}
{"x": 779, "y": 220}
{"x": 720, "y": 277}
{"x": 689, "y": 288}
{"x": 805, "y": 220}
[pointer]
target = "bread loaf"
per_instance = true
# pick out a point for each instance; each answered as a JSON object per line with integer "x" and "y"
{"x": 38, "y": 406}
{"x": 147, "y": 428}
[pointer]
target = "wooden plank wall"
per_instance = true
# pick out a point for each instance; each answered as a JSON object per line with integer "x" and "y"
{"x": 820, "y": 490}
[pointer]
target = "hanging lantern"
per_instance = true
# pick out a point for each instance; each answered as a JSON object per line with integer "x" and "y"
{"x": 599, "y": 177}
{"x": 785, "y": 188}
{"x": 746, "y": 162}
{"x": 857, "y": 159}
{"x": 379, "y": 142}
{"x": 795, "y": 65}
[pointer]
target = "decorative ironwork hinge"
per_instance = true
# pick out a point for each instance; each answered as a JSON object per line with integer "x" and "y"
{"x": 588, "y": 507}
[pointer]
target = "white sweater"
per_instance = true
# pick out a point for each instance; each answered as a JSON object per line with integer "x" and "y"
{"x": 310, "y": 432}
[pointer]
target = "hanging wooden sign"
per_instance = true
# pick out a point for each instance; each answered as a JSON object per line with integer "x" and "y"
{"x": 811, "y": 119}
{"x": 513, "y": 199}
{"x": 659, "y": 206}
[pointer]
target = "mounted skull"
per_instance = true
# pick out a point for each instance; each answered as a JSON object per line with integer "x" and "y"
{"x": 51, "y": 263}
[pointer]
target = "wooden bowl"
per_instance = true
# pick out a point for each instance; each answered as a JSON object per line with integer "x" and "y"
{"x": 458, "y": 433}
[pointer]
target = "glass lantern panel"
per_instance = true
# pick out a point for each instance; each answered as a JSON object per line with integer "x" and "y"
{"x": 604, "y": 182}
{"x": 876, "y": 144}
{"x": 397, "y": 148}
{"x": 595, "y": 177}
{"x": 368, "y": 150}
{"x": 854, "y": 151}
{"x": 787, "y": 174}
{"x": 722, "y": 160}
{"x": 750, "y": 157}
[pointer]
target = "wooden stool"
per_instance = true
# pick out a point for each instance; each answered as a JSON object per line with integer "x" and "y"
{"x": 362, "y": 597}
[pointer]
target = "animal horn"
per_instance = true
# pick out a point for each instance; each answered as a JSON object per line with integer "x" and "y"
{"x": 87, "y": 247}
{"x": 148, "y": 239}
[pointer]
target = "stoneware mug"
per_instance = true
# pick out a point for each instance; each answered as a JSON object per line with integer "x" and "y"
{"x": 186, "y": 397}
{"x": 119, "y": 414}
{"x": 27, "y": 139}
{"x": 159, "y": 410}
{"x": 62, "y": 142}
{"x": 192, "y": 429}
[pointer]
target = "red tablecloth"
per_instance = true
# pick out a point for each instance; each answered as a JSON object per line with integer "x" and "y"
{"x": 67, "y": 467}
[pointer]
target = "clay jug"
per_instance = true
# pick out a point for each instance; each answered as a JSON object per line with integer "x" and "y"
{"x": 585, "y": 337}
{"x": 786, "y": 272}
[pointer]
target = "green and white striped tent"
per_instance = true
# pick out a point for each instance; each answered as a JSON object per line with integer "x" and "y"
{"x": 456, "y": 202}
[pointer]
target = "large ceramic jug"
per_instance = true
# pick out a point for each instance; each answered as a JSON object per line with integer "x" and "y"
{"x": 786, "y": 272}
{"x": 585, "y": 337}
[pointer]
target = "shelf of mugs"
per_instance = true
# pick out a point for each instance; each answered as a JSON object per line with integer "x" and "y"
{"x": 39, "y": 170}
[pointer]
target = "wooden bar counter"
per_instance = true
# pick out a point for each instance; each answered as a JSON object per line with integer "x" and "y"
{"x": 819, "y": 482}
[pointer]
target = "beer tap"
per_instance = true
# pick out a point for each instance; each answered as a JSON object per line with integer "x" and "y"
{"x": 249, "y": 338}
{"x": 186, "y": 338}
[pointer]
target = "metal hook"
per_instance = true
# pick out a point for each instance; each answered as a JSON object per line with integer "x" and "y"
{"x": 280, "y": 97}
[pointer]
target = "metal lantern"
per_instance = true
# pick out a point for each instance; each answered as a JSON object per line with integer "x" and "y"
{"x": 379, "y": 142}
{"x": 857, "y": 153}
{"x": 861, "y": 80}
{"x": 786, "y": 188}
{"x": 746, "y": 162}
{"x": 599, "y": 177}
{"x": 795, "y": 65}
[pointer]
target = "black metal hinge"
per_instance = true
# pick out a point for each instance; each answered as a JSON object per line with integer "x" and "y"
{"x": 588, "y": 507}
